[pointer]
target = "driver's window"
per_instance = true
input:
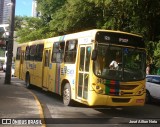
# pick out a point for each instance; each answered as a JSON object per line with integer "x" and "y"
{"x": 116, "y": 58}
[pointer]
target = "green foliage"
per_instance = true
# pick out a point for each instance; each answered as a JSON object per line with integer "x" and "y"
{"x": 79, "y": 15}
{"x": 67, "y": 16}
{"x": 157, "y": 55}
{"x": 47, "y": 8}
{"x": 29, "y": 29}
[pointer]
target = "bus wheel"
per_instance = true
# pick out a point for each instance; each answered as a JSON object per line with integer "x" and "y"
{"x": 67, "y": 95}
{"x": 148, "y": 97}
{"x": 28, "y": 85}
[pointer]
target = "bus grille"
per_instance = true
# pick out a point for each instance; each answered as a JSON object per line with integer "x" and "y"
{"x": 121, "y": 100}
{"x": 127, "y": 87}
{"x": 117, "y": 89}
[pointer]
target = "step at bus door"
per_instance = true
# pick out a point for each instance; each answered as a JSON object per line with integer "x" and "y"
{"x": 47, "y": 56}
{"x": 83, "y": 71}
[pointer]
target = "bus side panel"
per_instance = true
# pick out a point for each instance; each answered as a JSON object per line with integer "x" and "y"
{"x": 17, "y": 68}
{"x": 68, "y": 73}
{"x": 30, "y": 67}
{"x": 23, "y": 74}
{"x": 53, "y": 83}
{"x": 38, "y": 73}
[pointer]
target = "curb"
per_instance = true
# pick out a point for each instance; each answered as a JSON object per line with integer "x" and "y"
{"x": 40, "y": 108}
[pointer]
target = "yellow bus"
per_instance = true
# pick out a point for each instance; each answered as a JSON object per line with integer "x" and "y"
{"x": 82, "y": 67}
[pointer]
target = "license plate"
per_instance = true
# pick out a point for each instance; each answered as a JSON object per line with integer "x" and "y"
{"x": 139, "y": 100}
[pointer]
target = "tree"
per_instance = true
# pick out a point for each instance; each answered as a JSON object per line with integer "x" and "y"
{"x": 47, "y": 8}
{"x": 60, "y": 17}
{"x": 77, "y": 17}
{"x": 31, "y": 28}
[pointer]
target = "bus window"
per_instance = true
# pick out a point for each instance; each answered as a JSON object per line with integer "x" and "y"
{"x": 47, "y": 55}
{"x": 18, "y": 53}
{"x": 58, "y": 51}
{"x": 27, "y": 55}
{"x": 39, "y": 52}
{"x": 32, "y": 52}
{"x": 82, "y": 54}
{"x": 87, "y": 61}
{"x": 129, "y": 63}
{"x": 70, "y": 51}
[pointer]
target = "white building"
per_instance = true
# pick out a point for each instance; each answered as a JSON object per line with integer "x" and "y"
{"x": 5, "y": 33}
{"x": 6, "y": 11}
{"x": 34, "y": 8}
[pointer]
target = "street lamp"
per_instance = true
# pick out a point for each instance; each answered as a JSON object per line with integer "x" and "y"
{"x": 10, "y": 45}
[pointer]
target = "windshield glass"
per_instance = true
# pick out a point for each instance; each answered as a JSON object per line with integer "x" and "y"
{"x": 119, "y": 63}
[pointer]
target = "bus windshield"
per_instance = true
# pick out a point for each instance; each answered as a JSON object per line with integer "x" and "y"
{"x": 119, "y": 63}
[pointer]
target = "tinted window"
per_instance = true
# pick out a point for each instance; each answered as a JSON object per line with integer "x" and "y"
{"x": 82, "y": 55}
{"x": 18, "y": 53}
{"x": 47, "y": 58}
{"x": 58, "y": 52}
{"x": 39, "y": 52}
{"x": 27, "y": 55}
{"x": 32, "y": 52}
{"x": 148, "y": 79}
{"x": 70, "y": 51}
{"x": 156, "y": 80}
{"x": 118, "y": 63}
{"x": 87, "y": 60}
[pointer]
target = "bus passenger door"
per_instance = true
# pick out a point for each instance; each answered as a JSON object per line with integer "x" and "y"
{"x": 45, "y": 71}
{"x": 83, "y": 71}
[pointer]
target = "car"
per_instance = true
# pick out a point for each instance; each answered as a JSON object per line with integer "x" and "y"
{"x": 4, "y": 67}
{"x": 152, "y": 88}
{"x": 12, "y": 69}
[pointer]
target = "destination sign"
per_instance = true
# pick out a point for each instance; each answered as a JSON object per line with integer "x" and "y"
{"x": 120, "y": 39}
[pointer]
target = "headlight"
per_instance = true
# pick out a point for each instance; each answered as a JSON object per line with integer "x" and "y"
{"x": 98, "y": 88}
{"x": 141, "y": 91}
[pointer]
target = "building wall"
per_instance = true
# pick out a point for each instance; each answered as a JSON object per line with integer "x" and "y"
{"x": 1, "y": 11}
{"x": 34, "y": 8}
{"x": 6, "y": 11}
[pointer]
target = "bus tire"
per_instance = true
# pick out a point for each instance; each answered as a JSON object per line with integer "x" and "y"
{"x": 148, "y": 98}
{"x": 67, "y": 95}
{"x": 27, "y": 82}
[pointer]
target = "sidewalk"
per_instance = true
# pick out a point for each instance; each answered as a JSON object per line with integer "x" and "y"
{"x": 16, "y": 101}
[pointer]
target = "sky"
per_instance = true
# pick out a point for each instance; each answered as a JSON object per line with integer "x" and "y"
{"x": 23, "y": 8}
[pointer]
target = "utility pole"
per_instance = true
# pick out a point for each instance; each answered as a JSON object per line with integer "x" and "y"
{"x": 10, "y": 45}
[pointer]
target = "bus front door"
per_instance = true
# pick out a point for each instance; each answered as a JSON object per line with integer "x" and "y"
{"x": 45, "y": 71}
{"x": 83, "y": 71}
{"x": 21, "y": 65}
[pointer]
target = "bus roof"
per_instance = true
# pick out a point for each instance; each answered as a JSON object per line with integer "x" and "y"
{"x": 88, "y": 33}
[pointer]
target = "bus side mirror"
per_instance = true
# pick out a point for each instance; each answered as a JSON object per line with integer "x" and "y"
{"x": 94, "y": 54}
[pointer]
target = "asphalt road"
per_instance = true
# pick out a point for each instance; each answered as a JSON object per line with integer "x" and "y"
{"x": 80, "y": 115}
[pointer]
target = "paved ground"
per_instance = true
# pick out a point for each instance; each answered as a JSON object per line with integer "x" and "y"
{"x": 17, "y": 102}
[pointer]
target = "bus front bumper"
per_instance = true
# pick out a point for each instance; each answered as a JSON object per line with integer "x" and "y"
{"x": 95, "y": 99}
